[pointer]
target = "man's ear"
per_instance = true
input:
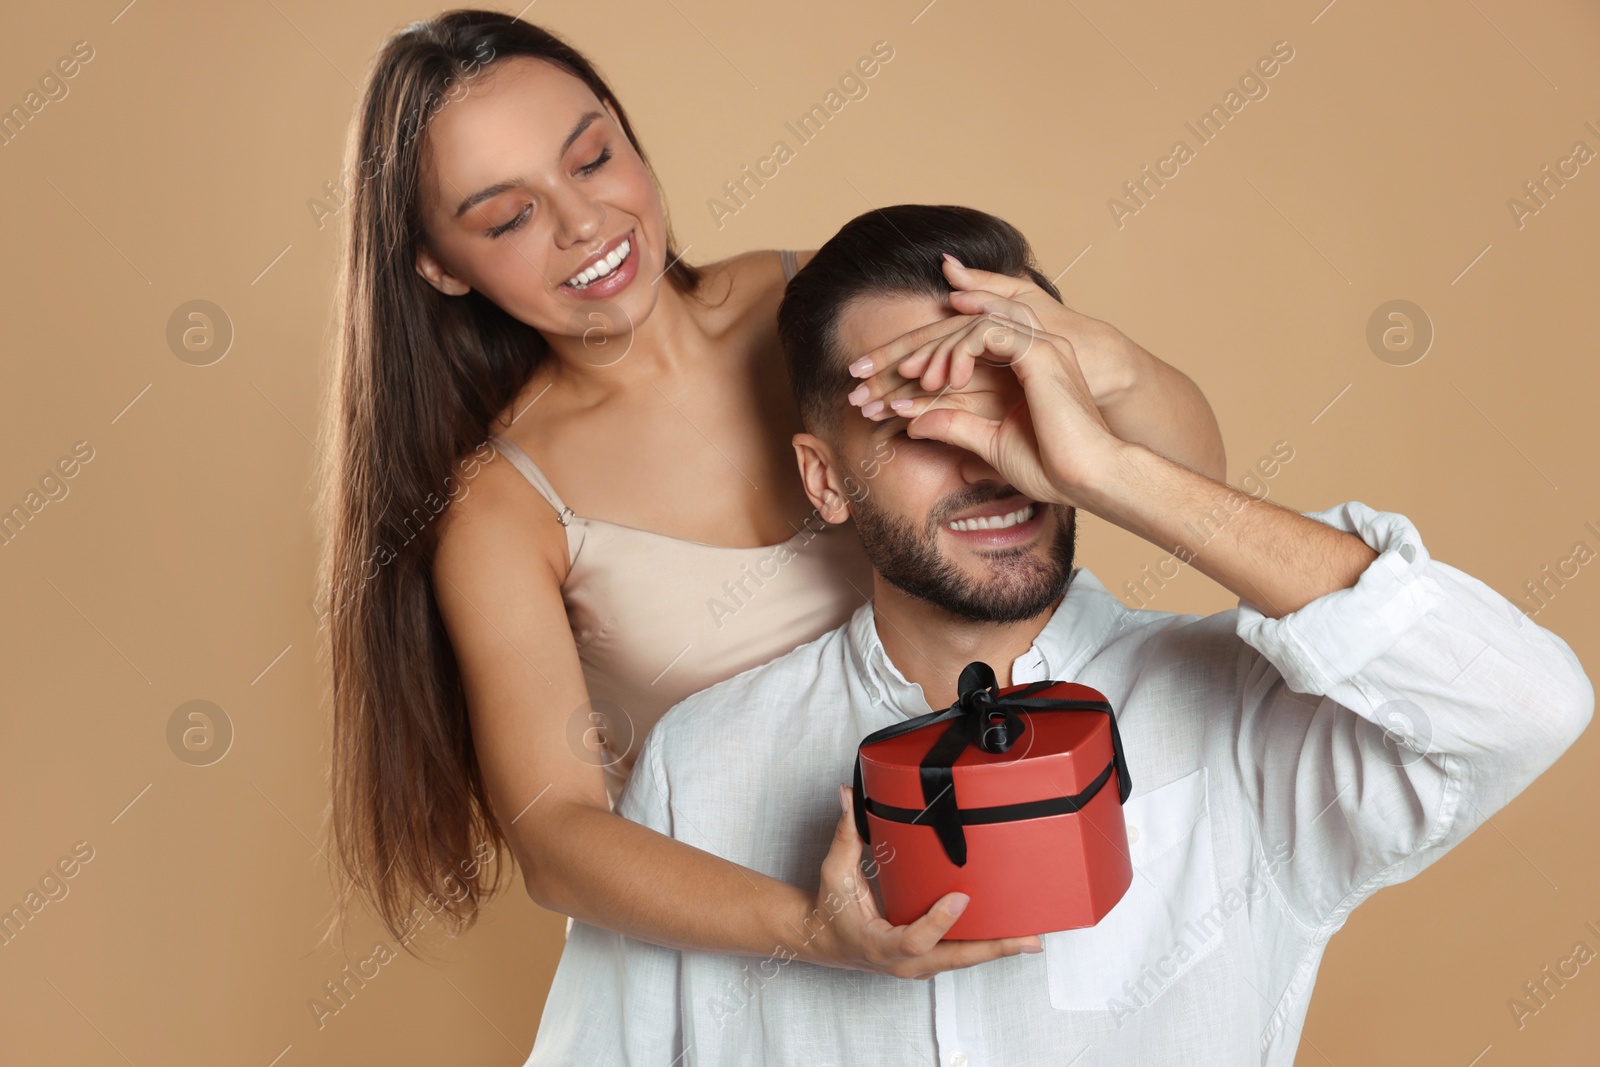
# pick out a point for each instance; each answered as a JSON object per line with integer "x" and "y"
{"x": 437, "y": 276}
{"x": 819, "y": 468}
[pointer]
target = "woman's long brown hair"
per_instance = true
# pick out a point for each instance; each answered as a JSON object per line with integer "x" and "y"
{"x": 418, "y": 378}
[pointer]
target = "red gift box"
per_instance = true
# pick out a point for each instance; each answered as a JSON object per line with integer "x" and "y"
{"x": 1013, "y": 796}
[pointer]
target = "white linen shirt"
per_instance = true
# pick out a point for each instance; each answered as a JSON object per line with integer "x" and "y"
{"x": 1266, "y": 805}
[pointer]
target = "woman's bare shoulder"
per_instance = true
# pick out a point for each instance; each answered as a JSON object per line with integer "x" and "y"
{"x": 746, "y": 286}
{"x": 757, "y": 269}
{"x": 497, "y": 520}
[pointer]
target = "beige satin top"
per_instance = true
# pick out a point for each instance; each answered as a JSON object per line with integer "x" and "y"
{"x": 657, "y": 618}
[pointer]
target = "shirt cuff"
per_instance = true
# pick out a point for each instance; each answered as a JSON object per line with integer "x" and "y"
{"x": 1326, "y": 642}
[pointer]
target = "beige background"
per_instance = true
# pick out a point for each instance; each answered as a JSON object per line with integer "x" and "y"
{"x": 179, "y": 567}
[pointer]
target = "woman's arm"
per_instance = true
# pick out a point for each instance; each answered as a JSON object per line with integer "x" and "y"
{"x": 1156, "y": 405}
{"x": 497, "y": 578}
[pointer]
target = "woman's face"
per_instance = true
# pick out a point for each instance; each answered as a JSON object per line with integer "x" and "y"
{"x": 533, "y": 195}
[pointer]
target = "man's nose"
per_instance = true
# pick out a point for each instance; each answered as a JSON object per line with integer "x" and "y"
{"x": 975, "y": 469}
{"x": 988, "y": 406}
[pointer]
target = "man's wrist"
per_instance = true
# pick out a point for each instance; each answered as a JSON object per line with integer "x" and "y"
{"x": 1121, "y": 475}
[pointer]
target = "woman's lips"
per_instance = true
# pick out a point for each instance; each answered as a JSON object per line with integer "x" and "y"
{"x": 614, "y": 282}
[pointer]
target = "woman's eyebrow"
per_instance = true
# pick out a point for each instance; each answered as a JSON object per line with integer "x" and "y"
{"x": 492, "y": 191}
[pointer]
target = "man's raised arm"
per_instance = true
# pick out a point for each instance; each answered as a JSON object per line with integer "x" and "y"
{"x": 1443, "y": 701}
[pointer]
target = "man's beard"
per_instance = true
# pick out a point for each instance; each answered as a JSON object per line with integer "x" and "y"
{"x": 1020, "y": 586}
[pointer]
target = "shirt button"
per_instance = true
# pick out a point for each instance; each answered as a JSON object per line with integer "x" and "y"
{"x": 873, "y": 691}
{"x": 1408, "y": 553}
{"x": 1133, "y": 834}
{"x": 959, "y": 1059}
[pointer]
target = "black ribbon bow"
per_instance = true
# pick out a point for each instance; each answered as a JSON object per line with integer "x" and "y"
{"x": 981, "y": 716}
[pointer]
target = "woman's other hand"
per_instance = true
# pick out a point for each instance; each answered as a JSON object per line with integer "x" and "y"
{"x": 1141, "y": 398}
{"x": 857, "y": 936}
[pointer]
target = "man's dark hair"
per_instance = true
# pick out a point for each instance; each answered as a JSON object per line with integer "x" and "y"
{"x": 893, "y": 251}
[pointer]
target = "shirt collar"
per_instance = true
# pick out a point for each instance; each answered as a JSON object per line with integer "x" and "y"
{"x": 1078, "y": 629}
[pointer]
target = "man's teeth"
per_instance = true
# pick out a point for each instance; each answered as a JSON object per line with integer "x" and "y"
{"x": 992, "y": 522}
{"x": 586, "y": 278}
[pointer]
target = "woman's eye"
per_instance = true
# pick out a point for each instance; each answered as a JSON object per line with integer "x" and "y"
{"x": 587, "y": 169}
{"x": 599, "y": 161}
{"x": 522, "y": 216}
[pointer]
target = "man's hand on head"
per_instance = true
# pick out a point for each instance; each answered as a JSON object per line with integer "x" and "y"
{"x": 1108, "y": 358}
{"x": 1142, "y": 399}
{"x": 1011, "y": 392}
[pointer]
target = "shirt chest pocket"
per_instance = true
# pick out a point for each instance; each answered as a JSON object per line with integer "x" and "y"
{"x": 1160, "y": 928}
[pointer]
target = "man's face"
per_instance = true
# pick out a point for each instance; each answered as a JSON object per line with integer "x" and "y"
{"x": 937, "y": 521}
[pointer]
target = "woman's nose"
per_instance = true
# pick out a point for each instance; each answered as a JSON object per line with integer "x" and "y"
{"x": 579, "y": 218}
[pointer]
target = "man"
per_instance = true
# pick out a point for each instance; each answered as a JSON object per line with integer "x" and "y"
{"x": 1272, "y": 792}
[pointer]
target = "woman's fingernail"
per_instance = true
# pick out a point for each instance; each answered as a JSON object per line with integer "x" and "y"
{"x": 1033, "y": 948}
{"x": 900, "y": 406}
{"x": 844, "y": 801}
{"x": 859, "y": 396}
{"x": 954, "y": 260}
{"x": 872, "y": 409}
{"x": 958, "y": 903}
{"x": 860, "y": 368}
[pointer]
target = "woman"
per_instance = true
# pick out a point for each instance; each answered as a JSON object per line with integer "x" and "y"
{"x": 510, "y": 287}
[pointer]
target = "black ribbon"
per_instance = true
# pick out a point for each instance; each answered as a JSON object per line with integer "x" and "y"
{"x": 981, "y": 716}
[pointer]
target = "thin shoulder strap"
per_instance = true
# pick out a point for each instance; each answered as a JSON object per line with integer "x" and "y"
{"x": 790, "y": 264}
{"x": 530, "y": 470}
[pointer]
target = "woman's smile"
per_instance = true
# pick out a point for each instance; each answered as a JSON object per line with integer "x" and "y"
{"x": 607, "y": 272}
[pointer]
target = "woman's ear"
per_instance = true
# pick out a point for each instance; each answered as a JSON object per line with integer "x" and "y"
{"x": 437, "y": 276}
{"x": 818, "y": 473}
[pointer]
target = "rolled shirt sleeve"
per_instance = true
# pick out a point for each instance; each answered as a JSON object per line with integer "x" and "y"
{"x": 1383, "y": 723}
